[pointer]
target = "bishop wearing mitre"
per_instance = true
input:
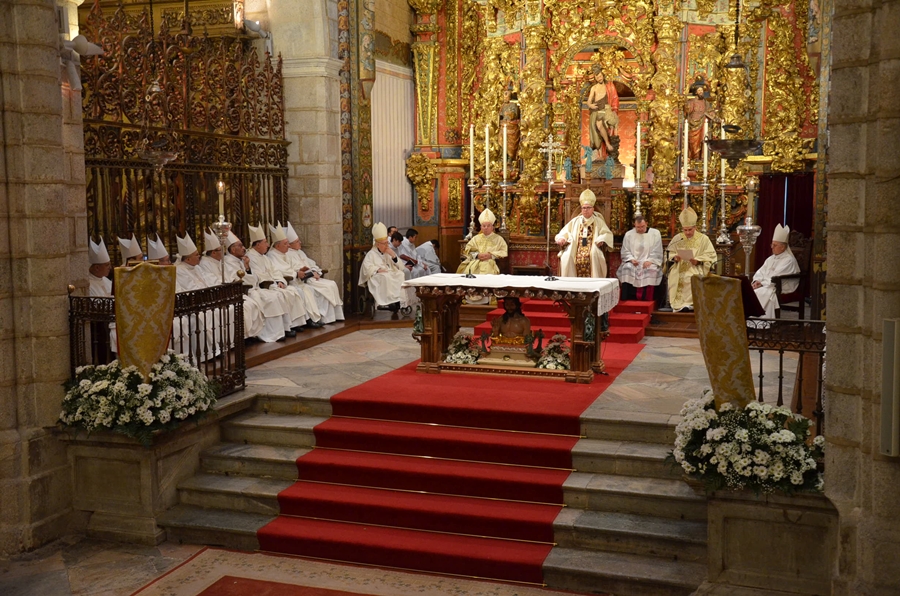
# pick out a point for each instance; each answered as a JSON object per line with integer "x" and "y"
{"x": 781, "y": 262}
{"x": 581, "y": 241}
{"x": 383, "y": 272}
{"x": 483, "y": 250}
{"x": 691, "y": 254}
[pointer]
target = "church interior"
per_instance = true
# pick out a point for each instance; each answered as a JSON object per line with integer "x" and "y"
{"x": 406, "y": 436}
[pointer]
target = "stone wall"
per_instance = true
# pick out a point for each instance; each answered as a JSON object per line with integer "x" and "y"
{"x": 394, "y": 17}
{"x": 863, "y": 289}
{"x": 42, "y": 248}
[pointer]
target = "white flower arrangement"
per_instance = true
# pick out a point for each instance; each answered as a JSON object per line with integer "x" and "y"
{"x": 109, "y": 397}
{"x": 463, "y": 349}
{"x": 760, "y": 447}
{"x": 555, "y": 356}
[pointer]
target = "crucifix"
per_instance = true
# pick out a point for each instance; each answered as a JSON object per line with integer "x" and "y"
{"x": 551, "y": 148}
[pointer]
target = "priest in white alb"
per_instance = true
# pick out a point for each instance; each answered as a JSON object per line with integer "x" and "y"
{"x": 642, "y": 258}
{"x": 581, "y": 241}
{"x": 382, "y": 272}
{"x": 781, "y": 262}
{"x": 427, "y": 252}
{"x": 99, "y": 283}
{"x": 691, "y": 254}
{"x": 484, "y": 249}
{"x": 328, "y": 297}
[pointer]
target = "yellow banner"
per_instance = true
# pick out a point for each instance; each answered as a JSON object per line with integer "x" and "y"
{"x": 145, "y": 305}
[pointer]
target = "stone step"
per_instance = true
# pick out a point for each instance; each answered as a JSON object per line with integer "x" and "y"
{"x": 593, "y": 572}
{"x": 213, "y": 527}
{"x": 306, "y": 402}
{"x": 675, "y": 539}
{"x": 272, "y": 429}
{"x": 631, "y": 494}
{"x": 233, "y": 493}
{"x": 627, "y": 458}
{"x": 620, "y": 425}
{"x": 272, "y": 461}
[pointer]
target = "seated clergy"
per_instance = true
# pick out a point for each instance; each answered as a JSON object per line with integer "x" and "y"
{"x": 427, "y": 253}
{"x": 781, "y": 262}
{"x": 272, "y": 304}
{"x": 98, "y": 272}
{"x": 281, "y": 262}
{"x": 382, "y": 273}
{"x": 156, "y": 251}
{"x": 269, "y": 277}
{"x": 211, "y": 268}
{"x": 642, "y": 257}
{"x": 407, "y": 253}
{"x": 131, "y": 251}
{"x": 483, "y": 250}
{"x": 581, "y": 241}
{"x": 328, "y": 296}
{"x": 189, "y": 275}
{"x": 699, "y": 256}
{"x": 198, "y": 332}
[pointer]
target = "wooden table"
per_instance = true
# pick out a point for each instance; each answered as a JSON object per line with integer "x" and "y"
{"x": 583, "y": 299}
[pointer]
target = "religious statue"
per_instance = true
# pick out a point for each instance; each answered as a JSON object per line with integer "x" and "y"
{"x": 512, "y": 325}
{"x": 509, "y": 115}
{"x": 696, "y": 110}
{"x": 511, "y": 338}
{"x": 603, "y": 102}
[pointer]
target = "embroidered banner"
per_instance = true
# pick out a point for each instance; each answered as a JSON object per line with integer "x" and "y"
{"x": 145, "y": 305}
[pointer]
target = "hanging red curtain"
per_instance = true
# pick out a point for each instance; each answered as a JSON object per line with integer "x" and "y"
{"x": 770, "y": 209}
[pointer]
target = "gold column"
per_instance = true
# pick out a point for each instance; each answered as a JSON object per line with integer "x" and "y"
{"x": 664, "y": 116}
{"x": 533, "y": 116}
{"x": 425, "y": 64}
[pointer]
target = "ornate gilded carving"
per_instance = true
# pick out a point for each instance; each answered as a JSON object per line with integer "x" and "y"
{"x": 425, "y": 63}
{"x": 533, "y": 109}
{"x": 470, "y": 49}
{"x": 425, "y": 7}
{"x": 663, "y": 114}
{"x": 451, "y": 89}
{"x": 421, "y": 173}
{"x": 454, "y": 199}
{"x": 213, "y": 15}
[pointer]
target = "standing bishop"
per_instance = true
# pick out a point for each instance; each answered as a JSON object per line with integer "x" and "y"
{"x": 691, "y": 254}
{"x": 483, "y": 250}
{"x": 581, "y": 241}
{"x": 781, "y": 262}
{"x": 382, "y": 272}
{"x": 98, "y": 272}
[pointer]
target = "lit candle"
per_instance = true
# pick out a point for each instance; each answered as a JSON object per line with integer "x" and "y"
{"x": 471, "y": 152}
{"x": 487, "y": 152}
{"x": 504, "y": 152}
{"x": 705, "y": 148}
{"x": 722, "y": 181}
{"x": 220, "y": 186}
{"x": 684, "y": 152}
{"x": 637, "y": 174}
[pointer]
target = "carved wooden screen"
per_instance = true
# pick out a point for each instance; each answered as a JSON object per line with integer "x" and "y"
{"x": 223, "y": 110}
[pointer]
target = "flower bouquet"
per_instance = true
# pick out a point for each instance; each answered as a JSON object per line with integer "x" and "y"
{"x": 555, "y": 356}
{"x": 109, "y": 397}
{"x": 759, "y": 447}
{"x": 463, "y": 349}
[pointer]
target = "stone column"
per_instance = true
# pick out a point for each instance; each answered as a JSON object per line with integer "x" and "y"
{"x": 42, "y": 216}
{"x": 863, "y": 290}
{"x": 308, "y": 46}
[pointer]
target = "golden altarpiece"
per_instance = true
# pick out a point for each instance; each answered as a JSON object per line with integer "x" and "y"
{"x": 534, "y": 67}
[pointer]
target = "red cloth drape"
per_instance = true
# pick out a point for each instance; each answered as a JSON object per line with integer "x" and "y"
{"x": 770, "y": 209}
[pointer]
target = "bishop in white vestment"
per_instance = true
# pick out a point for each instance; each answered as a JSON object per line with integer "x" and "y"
{"x": 282, "y": 264}
{"x": 781, "y": 262}
{"x": 682, "y": 270}
{"x": 581, "y": 240}
{"x": 262, "y": 268}
{"x": 271, "y": 303}
{"x": 99, "y": 283}
{"x": 328, "y": 297}
{"x": 382, "y": 273}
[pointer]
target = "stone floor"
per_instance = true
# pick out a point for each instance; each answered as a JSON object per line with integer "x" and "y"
{"x": 665, "y": 374}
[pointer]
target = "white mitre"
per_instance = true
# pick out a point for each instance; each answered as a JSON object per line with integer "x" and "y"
{"x": 256, "y": 233}
{"x": 277, "y": 233}
{"x": 291, "y": 234}
{"x": 781, "y": 234}
{"x": 97, "y": 253}
{"x": 156, "y": 250}
{"x": 211, "y": 241}
{"x": 487, "y": 217}
{"x": 688, "y": 218}
{"x": 379, "y": 232}
{"x": 587, "y": 198}
{"x": 186, "y": 246}
{"x": 130, "y": 248}
{"x": 231, "y": 239}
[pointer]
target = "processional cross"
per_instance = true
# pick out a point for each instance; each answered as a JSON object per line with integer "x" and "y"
{"x": 551, "y": 148}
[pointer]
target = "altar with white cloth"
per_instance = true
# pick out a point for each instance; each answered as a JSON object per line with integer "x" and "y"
{"x": 583, "y": 299}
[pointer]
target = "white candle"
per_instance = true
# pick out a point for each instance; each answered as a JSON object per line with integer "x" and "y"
{"x": 705, "y": 149}
{"x": 722, "y": 181}
{"x": 637, "y": 173}
{"x": 487, "y": 152}
{"x": 684, "y": 152}
{"x": 504, "y": 152}
{"x": 471, "y": 152}
{"x": 220, "y": 186}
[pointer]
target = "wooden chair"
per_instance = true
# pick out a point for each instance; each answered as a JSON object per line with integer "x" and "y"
{"x": 801, "y": 246}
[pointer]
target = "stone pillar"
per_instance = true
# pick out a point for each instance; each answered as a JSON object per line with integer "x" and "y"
{"x": 42, "y": 216}
{"x": 308, "y": 46}
{"x": 863, "y": 289}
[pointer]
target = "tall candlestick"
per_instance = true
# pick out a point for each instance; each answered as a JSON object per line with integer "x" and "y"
{"x": 471, "y": 152}
{"x": 487, "y": 152}
{"x": 637, "y": 173}
{"x": 684, "y": 152}
{"x": 504, "y": 152}
{"x": 722, "y": 181}
{"x": 705, "y": 149}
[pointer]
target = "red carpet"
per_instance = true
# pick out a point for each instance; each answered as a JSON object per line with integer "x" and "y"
{"x": 450, "y": 473}
{"x": 242, "y": 586}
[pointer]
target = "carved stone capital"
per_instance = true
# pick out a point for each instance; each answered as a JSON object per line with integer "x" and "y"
{"x": 421, "y": 173}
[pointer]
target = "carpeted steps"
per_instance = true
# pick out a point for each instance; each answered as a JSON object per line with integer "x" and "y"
{"x": 627, "y": 321}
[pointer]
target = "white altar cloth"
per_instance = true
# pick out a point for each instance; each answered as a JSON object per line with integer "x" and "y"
{"x": 606, "y": 288}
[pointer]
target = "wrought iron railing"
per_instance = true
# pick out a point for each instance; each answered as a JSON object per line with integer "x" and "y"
{"x": 208, "y": 328}
{"x": 807, "y": 339}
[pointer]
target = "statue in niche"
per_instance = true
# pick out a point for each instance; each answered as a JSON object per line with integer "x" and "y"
{"x": 509, "y": 115}
{"x": 696, "y": 110}
{"x": 603, "y": 103}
